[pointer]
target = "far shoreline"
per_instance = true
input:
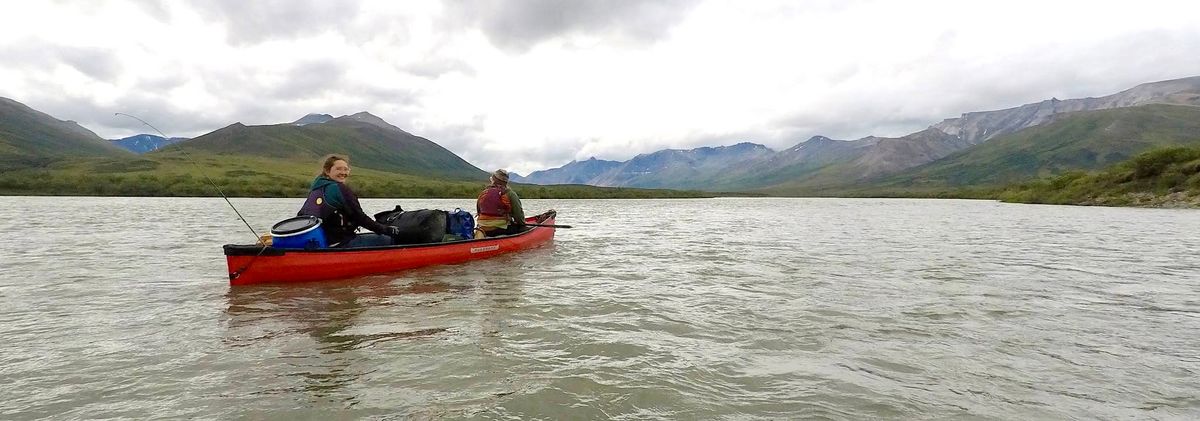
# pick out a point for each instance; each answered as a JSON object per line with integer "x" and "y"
{"x": 1178, "y": 200}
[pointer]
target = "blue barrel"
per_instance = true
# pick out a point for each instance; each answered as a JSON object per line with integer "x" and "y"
{"x": 301, "y": 232}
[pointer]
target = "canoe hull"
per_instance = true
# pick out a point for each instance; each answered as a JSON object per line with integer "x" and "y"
{"x": 255, "y": 264}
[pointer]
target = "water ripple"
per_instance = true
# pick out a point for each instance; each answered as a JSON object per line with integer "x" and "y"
{"x": 648, "y": 309}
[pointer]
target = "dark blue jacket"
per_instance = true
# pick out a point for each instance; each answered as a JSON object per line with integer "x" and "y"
{"x": 338, "y": 208}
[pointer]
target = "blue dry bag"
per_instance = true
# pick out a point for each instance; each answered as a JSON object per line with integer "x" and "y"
{"x": 460, "y": 223}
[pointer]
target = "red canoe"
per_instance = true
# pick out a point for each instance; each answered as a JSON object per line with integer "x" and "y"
{"x": 253, "y": 264}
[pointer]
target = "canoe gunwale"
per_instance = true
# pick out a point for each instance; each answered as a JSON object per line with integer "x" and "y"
{"x": 255, "y": 264}
{"x": 254, "y": 249}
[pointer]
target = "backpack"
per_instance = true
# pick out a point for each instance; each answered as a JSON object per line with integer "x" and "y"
{"x": 429, "y": 225}
{"x": 461, "y": 224}
{"x": 417, "y": 226}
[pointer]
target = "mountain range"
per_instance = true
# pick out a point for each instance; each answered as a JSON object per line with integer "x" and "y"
{"x": 927, "y": 158}
{"x": 682, "y": 169}
{"x": 985, "y": 148}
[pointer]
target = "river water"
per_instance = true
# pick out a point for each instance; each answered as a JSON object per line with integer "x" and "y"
{"x": 647, "y": 309}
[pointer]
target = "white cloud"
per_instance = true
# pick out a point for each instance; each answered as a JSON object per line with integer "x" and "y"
{"x": 532, "y": 84}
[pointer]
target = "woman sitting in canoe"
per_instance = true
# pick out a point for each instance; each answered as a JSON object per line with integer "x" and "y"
{"x": 332, "y": 200}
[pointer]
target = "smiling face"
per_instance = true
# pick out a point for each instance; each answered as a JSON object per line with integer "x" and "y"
{"x": 339, "y": 172}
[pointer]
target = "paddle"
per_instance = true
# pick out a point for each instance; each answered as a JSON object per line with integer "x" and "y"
{"x": 548, "y": 225}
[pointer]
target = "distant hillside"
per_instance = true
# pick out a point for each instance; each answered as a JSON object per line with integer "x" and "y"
{"x": 682, "y": 169}
{"x": 143, "y": 143}
{"x": 677, "y": 168}
{"x": 32, "y": 138}
{"x": 1078, "y": 141}
{"x": 823, "y": 163}
{"x": 368, "y": 140}
{"x": 575, "y": 172}
{"x": 792, "y": 163}
{"x": 1164, "y": 177}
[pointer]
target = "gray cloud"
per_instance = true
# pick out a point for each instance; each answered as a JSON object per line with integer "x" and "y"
{"x": 380, "y": 93}
{"x": 437, "y": 66}
{"x": 252, "y": 22}
{"x": 169, "y": 75}
{"x": 518, "y": 25}
{"x": 40, "y": 56}
{"x": 310, "y": 79}
{"x": 30, "y": 54}
{"x": 159, "y": 10}
{"x": 99, "y": 64}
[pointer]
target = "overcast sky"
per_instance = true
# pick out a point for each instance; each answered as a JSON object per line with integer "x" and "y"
{"x": 533, "y": 84}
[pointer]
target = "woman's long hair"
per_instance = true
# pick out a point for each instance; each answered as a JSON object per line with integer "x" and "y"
{"x": 328, "y": 160}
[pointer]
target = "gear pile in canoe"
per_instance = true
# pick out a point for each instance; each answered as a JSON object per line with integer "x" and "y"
{"x": 304, "y": 261}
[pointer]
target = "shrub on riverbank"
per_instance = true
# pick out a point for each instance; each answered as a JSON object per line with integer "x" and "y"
{"x": 1165, "y": 177}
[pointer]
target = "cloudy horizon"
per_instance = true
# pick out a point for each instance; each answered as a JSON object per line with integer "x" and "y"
{"x": 534, "y": 84}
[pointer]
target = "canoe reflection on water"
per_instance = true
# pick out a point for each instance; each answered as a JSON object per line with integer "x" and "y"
{"x": 332, "y": 343}
{"x": 322, "y": 335}
{"x": 326, "y": 312}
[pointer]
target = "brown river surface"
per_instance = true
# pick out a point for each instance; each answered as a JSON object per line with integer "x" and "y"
{"x": 732, "y": 309}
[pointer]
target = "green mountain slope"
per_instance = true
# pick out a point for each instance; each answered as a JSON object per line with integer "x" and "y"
{"x": 30, "y": 138}
{"x": 369, "y": 143}
{"x": 1168, "y": 177}
{"x": 1085, "y": 140}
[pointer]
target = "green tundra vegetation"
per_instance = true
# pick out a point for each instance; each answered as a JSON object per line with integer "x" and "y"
{"x": 242, "y": 176}
{"x": 1167, "y": 177}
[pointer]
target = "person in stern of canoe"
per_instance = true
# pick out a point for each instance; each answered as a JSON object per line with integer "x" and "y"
{"x": 332, "y": 200}
{"x": 499, "y": 208}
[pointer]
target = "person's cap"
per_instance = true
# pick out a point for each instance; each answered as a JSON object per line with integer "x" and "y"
{"x": 501, "y": 175}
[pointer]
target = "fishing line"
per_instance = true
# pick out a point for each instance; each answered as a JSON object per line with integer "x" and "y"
{"x": 199, "y": 170}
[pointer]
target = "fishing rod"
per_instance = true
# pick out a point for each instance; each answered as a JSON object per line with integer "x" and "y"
{"x": 202, "y": 173}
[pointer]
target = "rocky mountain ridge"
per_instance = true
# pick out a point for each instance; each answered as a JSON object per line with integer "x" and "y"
{"x": 821, "y": 161}
{"x": 313, "y": 118}
{"x": 574, "y": 172}
{"x": 978, "y": 127}
{"x": 696, "y": 167}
